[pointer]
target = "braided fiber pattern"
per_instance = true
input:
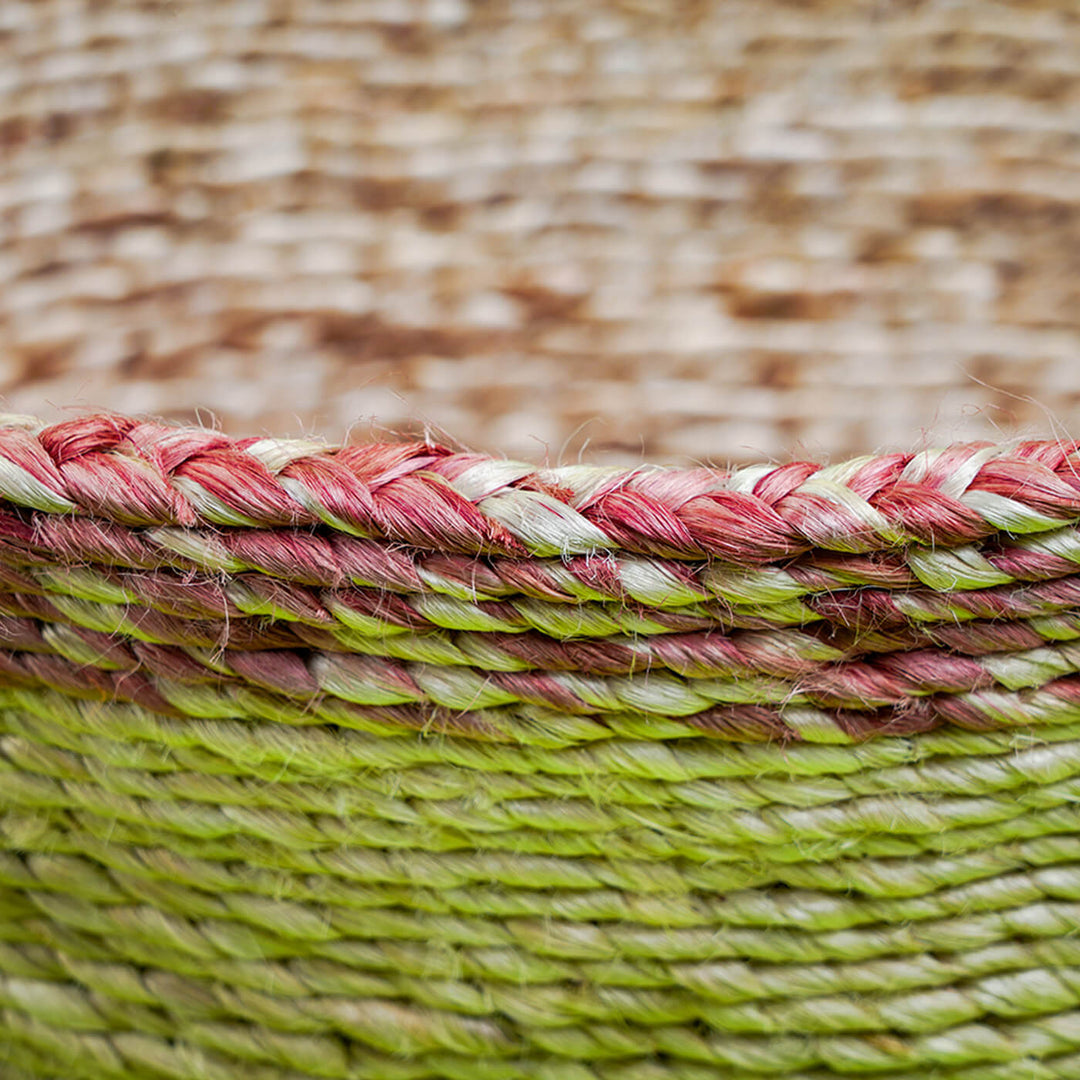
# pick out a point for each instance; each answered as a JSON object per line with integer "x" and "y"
{"x": 390, "y": 762}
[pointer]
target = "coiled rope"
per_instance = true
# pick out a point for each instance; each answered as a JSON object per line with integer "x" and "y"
{"x": 393, "y": 762}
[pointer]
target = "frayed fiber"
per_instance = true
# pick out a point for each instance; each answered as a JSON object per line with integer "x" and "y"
{"x": 389, "y": 762}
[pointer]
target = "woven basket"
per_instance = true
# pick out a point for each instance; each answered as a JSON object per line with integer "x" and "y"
{"x": 666, "y": 230}
{"x": 391, "y": 762}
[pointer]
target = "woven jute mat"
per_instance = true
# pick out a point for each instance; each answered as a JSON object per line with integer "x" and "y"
{"x": 667, "y": 230}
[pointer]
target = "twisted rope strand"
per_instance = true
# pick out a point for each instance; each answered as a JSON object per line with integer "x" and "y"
{"x": 309, "y": 558}
{"x": 915, "y": 684}
{"x": 143, "y": 474}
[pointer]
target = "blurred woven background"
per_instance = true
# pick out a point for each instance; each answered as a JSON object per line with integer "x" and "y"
{"x": 673, "y": 229}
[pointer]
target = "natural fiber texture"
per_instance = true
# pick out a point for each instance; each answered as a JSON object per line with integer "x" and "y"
{"x": 387, "y": 762}
{"x": 669, "y": 229}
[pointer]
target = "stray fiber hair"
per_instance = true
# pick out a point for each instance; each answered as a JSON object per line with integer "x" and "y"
{"x": 392, "y": 762}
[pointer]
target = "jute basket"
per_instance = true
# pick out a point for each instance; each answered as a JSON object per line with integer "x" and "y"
{"x": 661, "y": 230}
{"x": 390, "y": 762}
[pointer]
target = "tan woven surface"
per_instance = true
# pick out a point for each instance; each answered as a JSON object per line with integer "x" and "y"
{"x": 671, "y": 229}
